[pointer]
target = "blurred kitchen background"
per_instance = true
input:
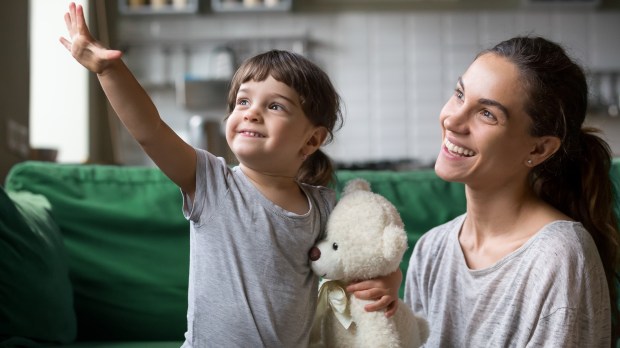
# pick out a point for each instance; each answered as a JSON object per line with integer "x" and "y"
{"x": 394, "y": 62}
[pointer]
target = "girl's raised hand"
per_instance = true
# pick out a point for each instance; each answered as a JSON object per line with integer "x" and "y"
{"x": 83, "y": 47}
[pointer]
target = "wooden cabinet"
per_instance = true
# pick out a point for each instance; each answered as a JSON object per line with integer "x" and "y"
{"x": 251, "y": 5}
{"x": 154, "y": 7}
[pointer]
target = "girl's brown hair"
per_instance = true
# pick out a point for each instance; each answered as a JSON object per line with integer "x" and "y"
{"x": 319, "y": 100}
{"x": 576, "y": 179}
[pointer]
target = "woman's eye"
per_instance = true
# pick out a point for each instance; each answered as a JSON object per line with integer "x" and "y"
{"x": 458, "y": 93}
{"x": 335, "y": 246}
{"x": 488, "y": 116}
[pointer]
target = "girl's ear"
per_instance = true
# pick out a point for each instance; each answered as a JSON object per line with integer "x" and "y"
{"x": 544, "y": 148}
{"x": 316, "y": 139}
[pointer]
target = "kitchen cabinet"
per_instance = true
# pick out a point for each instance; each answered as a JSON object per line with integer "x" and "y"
{"x": 251, "y": 5}
{"x": 154, "y": 7}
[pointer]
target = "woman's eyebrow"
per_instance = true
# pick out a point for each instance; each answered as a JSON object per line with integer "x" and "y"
{"x": 485, "y": 101}
{"x": 496, "y": 104}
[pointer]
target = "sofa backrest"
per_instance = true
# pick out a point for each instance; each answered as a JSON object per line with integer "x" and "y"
{"x": 128, "y": 243}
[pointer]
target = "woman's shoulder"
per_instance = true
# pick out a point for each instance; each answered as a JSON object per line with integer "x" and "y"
{"x": 566, "y": 234}
{"x": 561, "y": 241}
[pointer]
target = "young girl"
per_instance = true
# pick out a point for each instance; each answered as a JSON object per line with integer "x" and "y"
{"x": 251, "y": 225}
{"x": 534, "y": 261}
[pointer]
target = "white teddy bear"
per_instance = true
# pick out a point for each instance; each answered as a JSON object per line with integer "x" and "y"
{"x": 365, "y": 238}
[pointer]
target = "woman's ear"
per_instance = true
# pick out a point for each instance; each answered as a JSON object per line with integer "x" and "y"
{"x": 544, "y": 148}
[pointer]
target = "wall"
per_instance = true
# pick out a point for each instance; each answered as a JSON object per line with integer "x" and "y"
{"x": 14, "y": 88}
{"x": 394, "y": 69}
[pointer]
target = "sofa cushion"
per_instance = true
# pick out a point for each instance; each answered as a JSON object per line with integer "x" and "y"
{"x": 35, "y": 292}
{"x": 128, "y": 250}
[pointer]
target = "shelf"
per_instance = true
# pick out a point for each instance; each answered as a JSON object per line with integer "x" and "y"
{"x": 156, "y": 7}
{"x": 251, "y": 5}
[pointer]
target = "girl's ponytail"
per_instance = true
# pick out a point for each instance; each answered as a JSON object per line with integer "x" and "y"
{"x": 317, "y": 170}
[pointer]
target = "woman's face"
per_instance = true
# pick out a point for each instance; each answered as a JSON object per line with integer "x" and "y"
{"x": 486, "y": 139}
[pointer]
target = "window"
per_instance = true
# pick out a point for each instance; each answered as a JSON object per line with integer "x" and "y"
{"x": 58, "y": 85}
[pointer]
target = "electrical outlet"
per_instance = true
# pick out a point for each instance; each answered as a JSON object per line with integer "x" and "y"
{"x": 17, "y": 138}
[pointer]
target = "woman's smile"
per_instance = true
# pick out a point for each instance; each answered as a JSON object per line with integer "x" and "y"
{"x": 458, "y": 150}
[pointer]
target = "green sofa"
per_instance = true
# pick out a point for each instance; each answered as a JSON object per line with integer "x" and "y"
{"x": 97, "y": 256}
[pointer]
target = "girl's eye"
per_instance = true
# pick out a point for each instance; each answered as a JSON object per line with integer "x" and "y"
{"x": 242, "y": 102}
{"x": 335, "y": 246}
{"x": 276, "y": 107}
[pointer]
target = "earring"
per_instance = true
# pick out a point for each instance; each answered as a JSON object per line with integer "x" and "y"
{"x": 529, "y": 162}
{"x": 305, "y": 157}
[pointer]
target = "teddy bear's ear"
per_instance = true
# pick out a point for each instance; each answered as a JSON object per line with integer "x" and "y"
{"x": 394, "y": 243}
{"x": 356, "y": 185}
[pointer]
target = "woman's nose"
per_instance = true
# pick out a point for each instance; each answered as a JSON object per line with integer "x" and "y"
{"x": 455, "y": 122}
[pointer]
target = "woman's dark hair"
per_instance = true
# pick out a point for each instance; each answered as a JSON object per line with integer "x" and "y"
{"x": 576, "y": 179}
{"x": 319, "y": 101}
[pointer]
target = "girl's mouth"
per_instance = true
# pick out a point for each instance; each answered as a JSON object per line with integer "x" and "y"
{"x": 251, "y": 134}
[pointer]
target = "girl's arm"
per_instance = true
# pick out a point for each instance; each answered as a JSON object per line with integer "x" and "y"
{"x": 134, "y": 107}
{"x": 384, "y": 290}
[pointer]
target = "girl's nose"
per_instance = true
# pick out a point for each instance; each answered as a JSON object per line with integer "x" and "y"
{"x": 251, "y": 115}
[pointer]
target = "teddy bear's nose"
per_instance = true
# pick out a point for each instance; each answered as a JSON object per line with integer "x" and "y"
{"x": 314, "y": 254}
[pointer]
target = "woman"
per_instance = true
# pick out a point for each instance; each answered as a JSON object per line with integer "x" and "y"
{"x": 533, "y": 260}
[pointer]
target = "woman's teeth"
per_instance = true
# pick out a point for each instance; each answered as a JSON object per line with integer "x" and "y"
{"x": 457, "y": 150}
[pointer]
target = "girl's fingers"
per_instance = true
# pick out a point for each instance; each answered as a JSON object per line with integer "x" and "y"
{"x": 72, "y": 16}
{"x": 113, "y": 54}
{"x": 79, "y": 18}
{"x": 81, "y": 22}
{"x": 68, "y": 22}
{"x": 66, "y": 43}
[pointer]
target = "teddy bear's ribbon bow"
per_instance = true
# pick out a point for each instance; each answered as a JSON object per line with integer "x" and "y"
{"x": 332, "y": 295}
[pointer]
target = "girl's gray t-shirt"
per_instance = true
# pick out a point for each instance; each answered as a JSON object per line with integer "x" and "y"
{"x": 551, "y": 292}
{"x": 250, "y": 282}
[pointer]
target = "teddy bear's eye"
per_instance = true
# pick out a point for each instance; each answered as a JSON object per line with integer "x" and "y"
{"x": 335, "y": 246}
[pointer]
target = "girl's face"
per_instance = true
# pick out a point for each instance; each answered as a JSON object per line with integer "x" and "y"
{"x": 268, "y": 130}
{"x": 486, "y": 140}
